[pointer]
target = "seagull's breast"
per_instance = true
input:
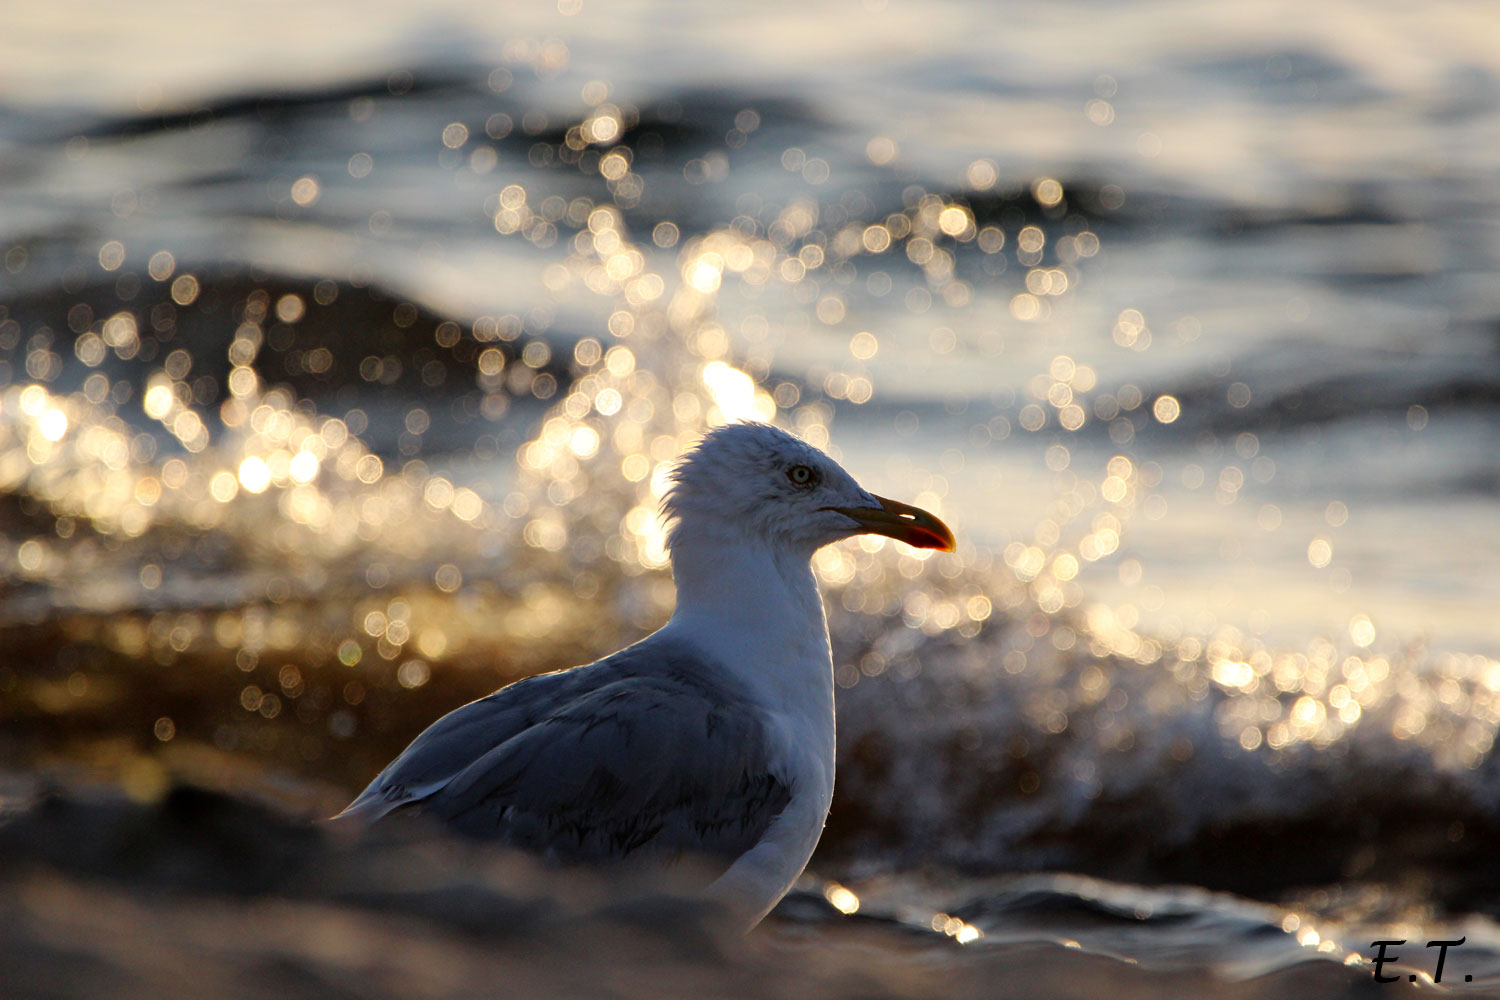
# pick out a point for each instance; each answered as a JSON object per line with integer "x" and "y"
{"x": 785, "y": 669}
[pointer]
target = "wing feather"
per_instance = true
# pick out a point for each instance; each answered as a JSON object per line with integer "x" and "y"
{"x": 450, "y": 744}
{"x": 638, "y": 763}
{"x": 635, "y": 753}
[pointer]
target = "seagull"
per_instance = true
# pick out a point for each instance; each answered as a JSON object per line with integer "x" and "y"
{"x": 713, "y": 736}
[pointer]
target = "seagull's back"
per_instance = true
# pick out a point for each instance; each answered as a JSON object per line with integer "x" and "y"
{"x": 648, "y": 752}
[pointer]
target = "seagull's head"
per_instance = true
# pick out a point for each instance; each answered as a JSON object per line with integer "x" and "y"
{"x": 756, "y": 481}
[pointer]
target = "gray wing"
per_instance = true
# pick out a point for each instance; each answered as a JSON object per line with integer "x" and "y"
{"x": 597, "y": 763}
{"x": 640, "y": 763}
{"x": 452, "y": 743}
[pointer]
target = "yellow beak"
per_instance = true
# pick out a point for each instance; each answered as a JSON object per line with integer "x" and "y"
{"x": 904, "y": 523}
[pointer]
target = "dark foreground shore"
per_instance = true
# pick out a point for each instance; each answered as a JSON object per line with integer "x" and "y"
{"x": 202, "y": 894}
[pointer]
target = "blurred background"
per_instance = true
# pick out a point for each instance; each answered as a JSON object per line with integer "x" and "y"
{"x": 344, "y": 348}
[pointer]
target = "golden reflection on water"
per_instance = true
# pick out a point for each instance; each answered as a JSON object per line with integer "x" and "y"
{"x": 301, "y": 492}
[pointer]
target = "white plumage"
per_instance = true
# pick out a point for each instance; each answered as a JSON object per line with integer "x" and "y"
{"x": 714, "y": 736}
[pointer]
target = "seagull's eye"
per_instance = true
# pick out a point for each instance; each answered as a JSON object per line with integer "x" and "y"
{"x": 801, "y": 475}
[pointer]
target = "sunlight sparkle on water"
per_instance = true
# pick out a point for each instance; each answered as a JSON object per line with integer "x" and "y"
{"x": 306, "y": 489}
